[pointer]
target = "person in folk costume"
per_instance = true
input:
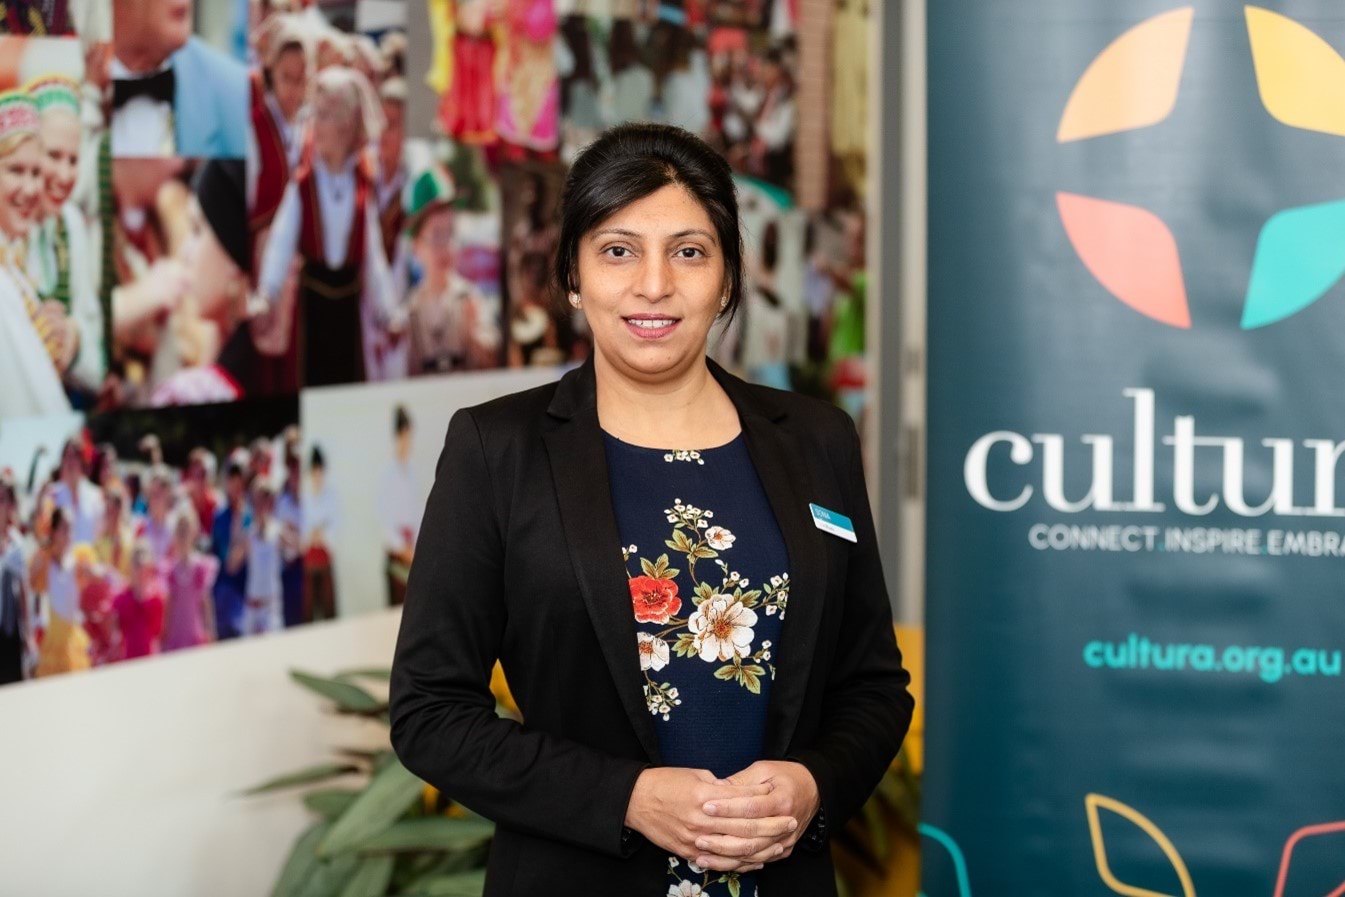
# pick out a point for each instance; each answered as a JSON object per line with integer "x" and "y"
{"x": 65, "y": 645}
{"x": 35, "y": 337}
{"x": 59, "y": 259}
{"x": 385, "y": 353}
{"x": 329, "y": 218}
{"x": 451, "y": 327}
{"x": 224, "y": 361}
{"x": 149, "y": 281}
{"x": 279, "y": 114}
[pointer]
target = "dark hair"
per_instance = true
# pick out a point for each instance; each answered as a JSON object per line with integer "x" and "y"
{"x": 628, "y": 163}
{"x": 316, "y": 459}
{"x": 233, "y": 469}
{"x": 401, "y": 421}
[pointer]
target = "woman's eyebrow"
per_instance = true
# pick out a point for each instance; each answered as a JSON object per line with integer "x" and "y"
{"x": 623, "y": 232}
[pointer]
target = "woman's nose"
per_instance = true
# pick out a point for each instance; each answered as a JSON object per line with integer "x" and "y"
{"x": 656, "y": 278}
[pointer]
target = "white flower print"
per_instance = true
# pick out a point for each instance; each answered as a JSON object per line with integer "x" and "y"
{"x": 719, "y": 538}
{"x": 653, "y": 652}
{"x": 685, "y": 888}
{"x": 722, "y": 627}
{"x": 694, "y": 868}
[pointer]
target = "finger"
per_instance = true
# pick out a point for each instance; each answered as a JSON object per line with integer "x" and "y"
{"x": 744, "y": 849}
{"x": 720, "y": 793}
{"x": 725, "y": 864}
{"x": 772, "y": 827}
{"x": 747, "y": 807}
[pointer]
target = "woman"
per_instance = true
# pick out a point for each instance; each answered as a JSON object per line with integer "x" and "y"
{"x": 189, "y": 619}
{"x": 139, "y": 607}
{"x": 329, "y": 217}
{"x": 674, "y": 716}
{"x": 35, "y": 337}
{"x": 65, "y": 646}
{"x": 59, "y": 258}
{"x": 13, "y": 586}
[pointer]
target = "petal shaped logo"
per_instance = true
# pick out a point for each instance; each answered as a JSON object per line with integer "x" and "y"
{"x": 1134, "y": 83}
{"x": 1095, "y": 802}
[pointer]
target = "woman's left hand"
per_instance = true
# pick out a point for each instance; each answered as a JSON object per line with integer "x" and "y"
{"x": 793, "y": 793}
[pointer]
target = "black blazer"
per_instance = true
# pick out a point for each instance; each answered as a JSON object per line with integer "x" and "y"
{"x": 519, "y": 559}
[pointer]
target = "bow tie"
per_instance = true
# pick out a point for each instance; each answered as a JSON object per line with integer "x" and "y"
{"x": 159, "y": 86}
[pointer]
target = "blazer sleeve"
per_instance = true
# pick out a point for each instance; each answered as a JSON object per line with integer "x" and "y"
{"x": 444, "y": 725}
{"x": 868, "y": 706}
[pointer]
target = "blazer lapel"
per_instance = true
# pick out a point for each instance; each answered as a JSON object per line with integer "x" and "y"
{"x": 778, "y": 459}
{"x": 583, "y": 491}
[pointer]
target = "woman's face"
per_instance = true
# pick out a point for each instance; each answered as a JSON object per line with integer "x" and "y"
{"x": 20, "y": 187}
{"x": 60, "y": 539}
{"x": 434, "y": 241}
{"x": 183, "y": 536}
{"x": 651, "y": 277}
{"x": 334, "y": 130}
{"x": 289, "y": 81}
{"x": 60, "y": 156}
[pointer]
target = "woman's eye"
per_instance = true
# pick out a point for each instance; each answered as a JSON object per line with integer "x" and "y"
{"x": 689, "y": 252}
{"x": 619, "y": 252}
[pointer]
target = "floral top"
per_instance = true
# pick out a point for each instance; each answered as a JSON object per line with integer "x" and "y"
{"x": 709, "y": 584}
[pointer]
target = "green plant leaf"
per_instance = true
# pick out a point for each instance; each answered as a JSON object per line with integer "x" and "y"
{"x": 330, "y": 876}
{"x": 726, "y": 672}
{"x": 304, "y": 777}
{"x": 463, "y": 884}
{"x": 330, "y": 802}
{"x": 302, "y": 861}
{"x": 704, "y": 551}
{"x": 381, "y": 674}
{"x": 734, "y": 887}
{"x": 685, "y": 646}
{"x": 390, "y": 793}
{"x": 430, "y": 833}
{"x": 646, "y": 567}
{"x": 347, "y": 696}
{"x": 371, "y": 878}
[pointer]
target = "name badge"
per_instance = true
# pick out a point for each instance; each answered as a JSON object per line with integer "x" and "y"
{"x": 831, "y": 522}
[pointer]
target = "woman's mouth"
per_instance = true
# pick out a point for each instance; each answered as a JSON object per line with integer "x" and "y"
{"x": 651, "y": 326}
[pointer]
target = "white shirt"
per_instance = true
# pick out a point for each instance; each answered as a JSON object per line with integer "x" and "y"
{"x": 88, "y": 516}
{"x": 264, "y": 561}
{"x": 31, "y": 385}
{"x": 336, "y": 205}
{"x": 321, "y": 511}
{"x": 141, "y": 127}
{"x": 62, "y": 591}
{"x": 400, "y": 504}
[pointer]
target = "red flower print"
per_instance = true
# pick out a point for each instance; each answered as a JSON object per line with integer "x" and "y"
{"x": 655, "y": 600}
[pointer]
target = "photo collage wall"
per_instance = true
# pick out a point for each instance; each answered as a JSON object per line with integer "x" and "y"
{"x": 254, "y": 254}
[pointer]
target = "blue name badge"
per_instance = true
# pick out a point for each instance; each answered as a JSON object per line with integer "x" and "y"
{"x": 831, "y": 522}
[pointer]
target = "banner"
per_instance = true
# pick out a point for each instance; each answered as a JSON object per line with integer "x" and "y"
{"x": 1136, "y": 530}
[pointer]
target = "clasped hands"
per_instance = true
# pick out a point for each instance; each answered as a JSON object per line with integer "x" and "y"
{"x": 728, "y": 825}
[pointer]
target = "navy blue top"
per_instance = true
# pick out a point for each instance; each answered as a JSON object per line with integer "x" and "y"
{"x": 709, "y": 581}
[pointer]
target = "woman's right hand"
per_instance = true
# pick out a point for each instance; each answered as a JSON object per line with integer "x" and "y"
{"x": 666, "y": 807}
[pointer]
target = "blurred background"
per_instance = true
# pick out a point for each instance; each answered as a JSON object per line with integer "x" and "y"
{"x": 1073, "y": 266}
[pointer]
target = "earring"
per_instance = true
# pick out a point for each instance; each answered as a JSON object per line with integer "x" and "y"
{"x": 574, "y": 299}
{"x": 723, "y": 301}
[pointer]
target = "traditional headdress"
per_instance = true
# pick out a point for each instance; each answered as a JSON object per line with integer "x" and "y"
{"x": 18, "y": 115}
{"x": 355, "y": 88}
{"x": 53, "y": 92}
{"x": 432, "y": 189}
{"x": 285, "y": 30}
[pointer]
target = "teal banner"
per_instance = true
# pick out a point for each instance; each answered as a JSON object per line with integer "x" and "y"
{"x": 1136, "y": 526}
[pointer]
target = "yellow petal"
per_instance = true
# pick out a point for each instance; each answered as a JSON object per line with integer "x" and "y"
{"x": 1133, "y": 83}
{"x": 1300, "y": 76}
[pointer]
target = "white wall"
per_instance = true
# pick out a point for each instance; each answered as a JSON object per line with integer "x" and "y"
{"x": 123, "y": 780}
{"x": 353, "y": 425}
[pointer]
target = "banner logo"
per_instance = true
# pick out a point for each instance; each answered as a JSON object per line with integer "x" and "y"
{"x": 1133, "y": 84}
